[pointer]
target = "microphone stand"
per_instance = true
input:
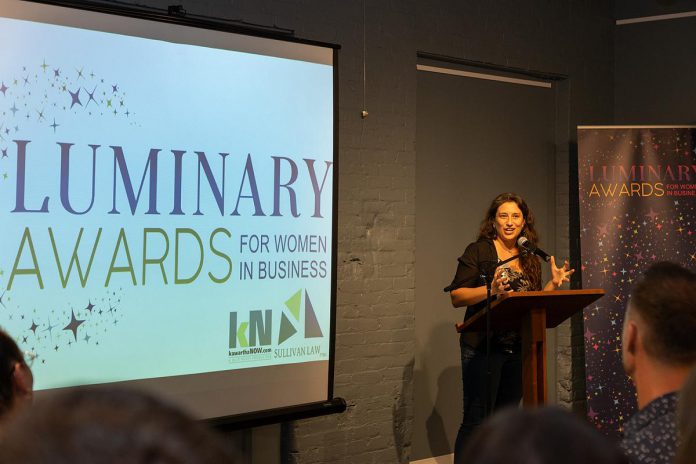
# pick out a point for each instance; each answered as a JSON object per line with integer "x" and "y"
{"x": 487, "y": 277}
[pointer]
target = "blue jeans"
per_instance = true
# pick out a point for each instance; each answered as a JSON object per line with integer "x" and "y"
{"x": 505, "y": 388}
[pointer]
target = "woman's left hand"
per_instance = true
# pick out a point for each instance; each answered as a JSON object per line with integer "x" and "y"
{"x": 560, "y": 274}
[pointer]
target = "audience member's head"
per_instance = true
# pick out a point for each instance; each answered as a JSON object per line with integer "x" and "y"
{"x": 16, "y": 380}
{"x": 108, "y": 426}
{"x": 686, "y": 421}
{"x": 540, "y": 436}
{"x": 659, "y": 346}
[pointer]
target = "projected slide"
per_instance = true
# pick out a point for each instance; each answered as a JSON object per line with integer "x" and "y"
{"x": 165, "y": 208}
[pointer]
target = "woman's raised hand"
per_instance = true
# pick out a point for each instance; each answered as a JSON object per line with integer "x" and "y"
{"x": 560, "y": 274}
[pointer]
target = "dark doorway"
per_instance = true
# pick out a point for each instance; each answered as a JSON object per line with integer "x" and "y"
{"x": 475, "y": 138}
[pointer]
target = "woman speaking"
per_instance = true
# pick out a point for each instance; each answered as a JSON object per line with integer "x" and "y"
{"x": 507, "y": 219}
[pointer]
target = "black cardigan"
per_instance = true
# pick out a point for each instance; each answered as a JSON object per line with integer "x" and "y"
{"x": 478, "y": 257}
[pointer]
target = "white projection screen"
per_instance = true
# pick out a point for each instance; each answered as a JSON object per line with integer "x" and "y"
{"x": 167, "y": 207}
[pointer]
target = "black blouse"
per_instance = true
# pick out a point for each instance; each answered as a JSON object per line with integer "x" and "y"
{"x": 478, "y": 258}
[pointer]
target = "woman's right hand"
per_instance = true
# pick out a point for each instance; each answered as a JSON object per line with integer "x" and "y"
{"x": 467, "y": 296}
{"x": 501, "y": 284}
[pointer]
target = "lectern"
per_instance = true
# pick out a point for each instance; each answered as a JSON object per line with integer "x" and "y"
{"x": 531, "y": 313}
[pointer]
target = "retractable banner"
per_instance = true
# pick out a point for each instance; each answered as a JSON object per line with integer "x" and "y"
{"x": 637, "y": 189}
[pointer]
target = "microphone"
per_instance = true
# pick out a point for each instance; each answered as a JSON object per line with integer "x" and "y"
{"x": 527, "y": 246}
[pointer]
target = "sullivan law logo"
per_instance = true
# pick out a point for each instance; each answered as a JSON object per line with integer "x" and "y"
{"x": 254, "y": 339}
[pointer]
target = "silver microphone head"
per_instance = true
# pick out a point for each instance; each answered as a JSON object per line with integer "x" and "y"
{"x": 523, "y": 242}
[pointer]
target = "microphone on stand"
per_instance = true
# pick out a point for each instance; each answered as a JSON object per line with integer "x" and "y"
{"x": 526, "y": 245}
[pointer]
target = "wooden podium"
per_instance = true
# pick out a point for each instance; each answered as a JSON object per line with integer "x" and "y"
{"x": 531, "y": 313}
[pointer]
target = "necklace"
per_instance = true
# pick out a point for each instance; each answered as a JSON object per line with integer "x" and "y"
{"x": 510, "y": 251}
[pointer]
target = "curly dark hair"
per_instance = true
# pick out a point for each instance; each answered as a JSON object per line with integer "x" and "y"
{"x": 528, "y": 262}
{"x": 9, "y": 356}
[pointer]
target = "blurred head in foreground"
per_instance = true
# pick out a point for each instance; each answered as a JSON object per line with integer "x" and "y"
{"x": 540, "y": 436}
{"x": 16, "y": 379}
{"x": 102, "y": 425}
{"x": 658, "y": 340}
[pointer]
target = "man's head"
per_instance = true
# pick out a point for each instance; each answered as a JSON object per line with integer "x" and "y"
{"x": 660, "y": 322}
{"x": 16, "y": 380}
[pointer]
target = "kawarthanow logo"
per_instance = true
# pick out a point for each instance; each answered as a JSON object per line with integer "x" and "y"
{"x": 258, "y": 330}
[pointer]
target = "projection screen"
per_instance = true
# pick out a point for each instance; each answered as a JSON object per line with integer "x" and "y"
{"x": 167, "y": 208}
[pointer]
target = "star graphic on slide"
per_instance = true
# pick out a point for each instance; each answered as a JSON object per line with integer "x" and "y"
{"x": 74, "y": 324}
{"x": 49, "y": 328}
{"x": 91, "y": 96}
{"x": 3, "y": 88}
{"x": 14, "y": 109}
{"x": 33, "y": 327}
{"x": 75, "y": 98}
{"x": 89, "y": 307}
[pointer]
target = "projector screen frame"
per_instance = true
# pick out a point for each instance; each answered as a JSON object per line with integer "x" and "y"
{"x": 152, "y": 14}
{"x": 332, "y": 404}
